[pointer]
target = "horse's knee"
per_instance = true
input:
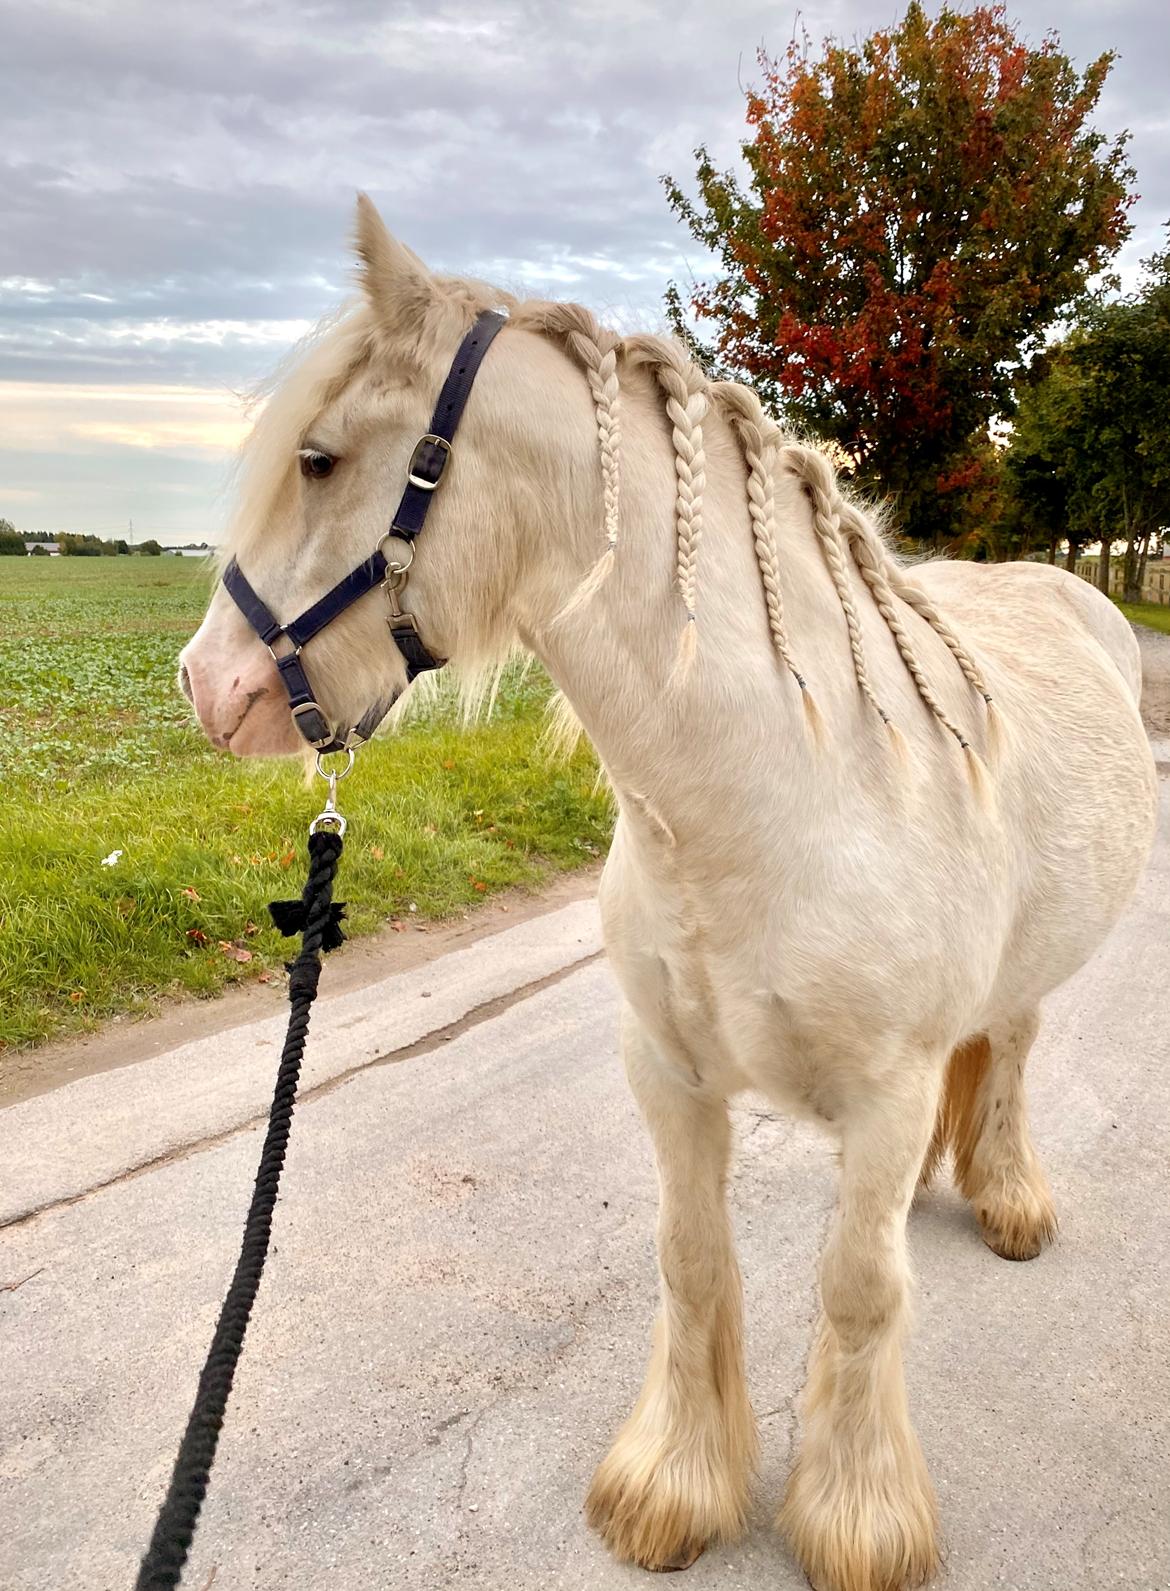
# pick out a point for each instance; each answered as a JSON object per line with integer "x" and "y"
{"x": 863, "y": 1291}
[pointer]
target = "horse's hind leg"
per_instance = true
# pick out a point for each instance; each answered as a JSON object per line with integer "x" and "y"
{"x": 984, "y": 1118}
{"x": 677, "y": 1475}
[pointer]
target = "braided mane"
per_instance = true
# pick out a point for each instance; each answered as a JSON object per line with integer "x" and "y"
{"x": 843, "y": 532}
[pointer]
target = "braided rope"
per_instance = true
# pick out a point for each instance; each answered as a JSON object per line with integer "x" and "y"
{"x": 162, "y": 1565}
{"x": 812, "y": 469}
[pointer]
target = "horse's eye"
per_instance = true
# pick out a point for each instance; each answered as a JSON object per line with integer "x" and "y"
{"x": 315, "y": 466}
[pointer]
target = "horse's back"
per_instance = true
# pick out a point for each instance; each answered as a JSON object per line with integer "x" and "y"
{"x": 993, "y": 595}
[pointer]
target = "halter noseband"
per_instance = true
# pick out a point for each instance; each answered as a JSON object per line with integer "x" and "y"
{"x": 428, "y": 464}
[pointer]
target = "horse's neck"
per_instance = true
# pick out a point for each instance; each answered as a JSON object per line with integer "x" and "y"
{"x": 685, "y": 741}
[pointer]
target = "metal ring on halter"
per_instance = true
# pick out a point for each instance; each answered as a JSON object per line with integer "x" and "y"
{"x": 327, "y": 773}
{"x": 395, "y": 570}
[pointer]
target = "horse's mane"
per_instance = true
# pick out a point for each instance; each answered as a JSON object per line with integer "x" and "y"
{"x": 844, "y": 530}
{"x": 847, "y": 534}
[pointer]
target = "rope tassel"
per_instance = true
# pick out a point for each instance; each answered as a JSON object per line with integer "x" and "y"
{"x": 290, "y": 917}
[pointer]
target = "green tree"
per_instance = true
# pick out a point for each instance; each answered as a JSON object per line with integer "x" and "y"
{"x": 920, "y": 207}
{"x": 149, "y": 548}
{"x": 1043, "y": 484}
{"x": 80, "y": 546}
{"x": 1091, "y": 440}
{"x": 11, "y": 543}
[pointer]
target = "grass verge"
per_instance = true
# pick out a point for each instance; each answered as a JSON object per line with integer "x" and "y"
{"x": 1154, "y": 615}
{"x": 102, "y": 758}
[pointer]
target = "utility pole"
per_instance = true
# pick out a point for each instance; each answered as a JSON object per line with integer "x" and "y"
{"x": 132, "y": 530}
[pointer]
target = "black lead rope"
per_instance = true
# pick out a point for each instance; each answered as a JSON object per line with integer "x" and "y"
{"x": 318, "y": 920}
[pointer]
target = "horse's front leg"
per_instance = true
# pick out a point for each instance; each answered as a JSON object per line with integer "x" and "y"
{"x": 859, "y": 1512}
{"x": 678, "y": 1473}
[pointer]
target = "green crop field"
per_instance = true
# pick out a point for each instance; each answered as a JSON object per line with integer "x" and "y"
{"x": 100, "y": 755}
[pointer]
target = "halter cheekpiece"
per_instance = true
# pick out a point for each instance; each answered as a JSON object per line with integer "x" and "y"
{"x": 426, "y": 472}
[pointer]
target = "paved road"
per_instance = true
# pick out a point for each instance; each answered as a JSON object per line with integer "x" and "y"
{"x": 455, "y": 1315}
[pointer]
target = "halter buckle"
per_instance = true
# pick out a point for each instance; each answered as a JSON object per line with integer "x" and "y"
{"x": 428, "y": 461}
{"x": 302, "y": 709}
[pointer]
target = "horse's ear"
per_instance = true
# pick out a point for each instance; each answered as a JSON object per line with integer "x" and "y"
{"x": 397, "y": 284}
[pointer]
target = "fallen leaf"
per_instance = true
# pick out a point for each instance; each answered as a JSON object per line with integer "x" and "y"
{"x": 234, "y": 951}
{"x": 377, "y": 852}
{"x": 197, "y": 935}
{"x": 264, "y": 977}
{"x": 479, "y": 885}
{"x": 288, "y": 858}
{"x": 190, "y": 893}
{"x": 250, "y": 927}
{"x": 77, "y": 997}
{"x": 126, "y": 906}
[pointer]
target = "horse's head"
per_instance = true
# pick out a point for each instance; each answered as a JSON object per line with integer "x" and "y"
{"x": 323, "y": 474}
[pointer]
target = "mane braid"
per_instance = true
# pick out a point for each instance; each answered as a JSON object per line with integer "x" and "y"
{"x": 874, "y": 576}
{"x": 815, "y": 473}
{"x": 687, "y": 403}
{"x": 870, "y": 553}
{"x": 756, "y": 433}
{"x": 596, "y": 351}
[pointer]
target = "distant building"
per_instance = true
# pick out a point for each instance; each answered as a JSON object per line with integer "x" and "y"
{"x": 53, "y": 548}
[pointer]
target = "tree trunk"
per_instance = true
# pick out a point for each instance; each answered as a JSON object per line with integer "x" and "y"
{"x": 1135, "y": 568}
{"x": 1070, "y": 561}
{"x": 1103, "y": 563}
{"x": 1052, "y": 549}
{"x": 1143, "y": 560}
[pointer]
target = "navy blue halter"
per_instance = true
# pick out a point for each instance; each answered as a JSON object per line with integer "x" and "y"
{"x": 428, "y": 464}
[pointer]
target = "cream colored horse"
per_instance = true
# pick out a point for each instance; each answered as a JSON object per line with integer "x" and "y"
{"x": 851, "y": 846}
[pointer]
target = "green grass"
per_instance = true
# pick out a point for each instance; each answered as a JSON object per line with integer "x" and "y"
{"x": 99, "y": 753}
{"x": 1155, "y": 615}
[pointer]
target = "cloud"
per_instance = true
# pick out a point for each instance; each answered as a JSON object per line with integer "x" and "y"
{"x": 179, "y": 180}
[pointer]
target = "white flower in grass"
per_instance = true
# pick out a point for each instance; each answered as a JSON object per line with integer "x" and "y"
{"x": 112, "y": 860}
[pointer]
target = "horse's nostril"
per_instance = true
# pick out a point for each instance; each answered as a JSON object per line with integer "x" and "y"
{"x": 185, "y": 682}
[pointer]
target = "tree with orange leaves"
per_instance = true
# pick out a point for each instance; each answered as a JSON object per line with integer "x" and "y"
{"x": 920, "y": 208}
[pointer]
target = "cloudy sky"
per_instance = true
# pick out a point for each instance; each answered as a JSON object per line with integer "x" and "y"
{"x": 179, "y": 179}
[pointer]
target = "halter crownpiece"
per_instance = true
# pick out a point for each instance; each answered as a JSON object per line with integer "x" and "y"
{"x": 425, "y": 474}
